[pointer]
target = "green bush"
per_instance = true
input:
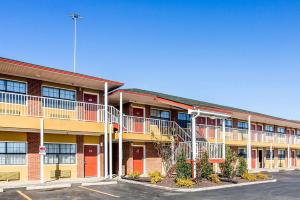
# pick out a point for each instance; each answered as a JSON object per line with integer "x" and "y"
{"x": 204, "y": 169}
{"x": 242, "y": 168}
{"x": 155, "y": 177}
{"x": 227, "y": 168}
{"x": 134, "y": 175}
{"x": 184, "y": 182}
{"x": 183, "y": 169}
{"x": 214, "y": 178}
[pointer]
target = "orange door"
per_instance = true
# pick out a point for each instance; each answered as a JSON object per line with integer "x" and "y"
{"x": 90, "y": 160}
{"x": 253, "y": 155}
{"x": 293, "y": 159}
{"x": 138, "y": 122}
{"x": 90, "y": 107}
{"x": 138, "y": 163}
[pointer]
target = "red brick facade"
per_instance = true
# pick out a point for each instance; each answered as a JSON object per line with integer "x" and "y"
{"x": 33, "y": 141}
{"x": 80, "y": 156}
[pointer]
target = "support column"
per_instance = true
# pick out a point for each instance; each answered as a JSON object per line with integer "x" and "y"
{"x": 41, "y": 145}
{"x": 110, "y": 148}
{"x": 289, "y": 156}
{"x": 216, "y": 130}
{"x": 194, "y": 146}
{"x": 249, "y": 156}
{"x": 271, "y": 157}
{"x": 206, "y": 129}
{"x": 223, "y": 139}
{"x": 105, "y": 130}
{"x": 173, "y": 151}
{"x": 121, "y": 136}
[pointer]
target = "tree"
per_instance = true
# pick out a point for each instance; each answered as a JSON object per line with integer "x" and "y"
{"x": 227, "y": 168}
{"x": 242, "y": 168}
{"x": 183, "y": 169}
{"x": 204, "y": 169}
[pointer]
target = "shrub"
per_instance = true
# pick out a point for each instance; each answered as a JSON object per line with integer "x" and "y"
{"x": 242, "y": 169}
{"x": 155, "y": 177}
{"x": 262, "y": 176}
{"x": 204, "y": 169}
{"x": 183, "y": 169}
{"x": 134, "y": 175}
{"x": 181, "y": 182}
{"x": 227, "y": 168}
{"x": 214, "y": 178}
{"x": 249, "y": 177}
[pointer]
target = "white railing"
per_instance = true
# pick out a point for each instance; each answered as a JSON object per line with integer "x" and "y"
{"x": 35, "y": 106}
{"x": 214, "y": 150}
{"x": 143, "y": 125}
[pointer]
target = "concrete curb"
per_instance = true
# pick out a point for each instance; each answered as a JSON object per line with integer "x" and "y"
{"x": 44, "y": 187}
{"x": 100, "y": 183}
{"x": 197, "y": 189}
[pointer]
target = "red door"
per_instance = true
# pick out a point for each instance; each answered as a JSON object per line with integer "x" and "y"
{"x": 90, "y": 107}
{"x": 138, "y": 122}
{"x": 90, "y": 160}
{"x": 293, "y": 159}
{"x": 138, "y": 163}
{"x": 253, "y": 155}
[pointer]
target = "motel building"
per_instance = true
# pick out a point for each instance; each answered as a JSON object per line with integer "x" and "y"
{"x": 56, "y": 124}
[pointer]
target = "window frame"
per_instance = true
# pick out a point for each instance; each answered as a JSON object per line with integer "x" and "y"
{"x": 185, "y": 121}
{"x": 266, "y": 128}
{"x": 268, "y": 155}
{"x": 243, "y": 122}
{"x": 244, "y": 155}
{"x": 17, "y": 81}
{"x": 57, "y": 154}
{"x": 279, "y": 155}
{"x": 25, "y": 154}
{"x": 160, "y": 110}
{"x": 59, "y": 89}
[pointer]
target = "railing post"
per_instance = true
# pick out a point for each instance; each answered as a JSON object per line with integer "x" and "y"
{"x": 194, "y": 145}
{"x": 121, "y": 136}
{"x": 249, "y": 156}
{"x": 223, "y": 139}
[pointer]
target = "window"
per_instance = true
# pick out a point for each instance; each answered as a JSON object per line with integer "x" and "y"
{"x": 183, "y": 119}
{"x": 281, "y": 154}
{"x": 242, "y": 153}
{"x": 298, "y": 154}
{"x": 228, "y": 122}
{"x": 12, "y": 87}
{"x": 280, "y": 130}
{"x": 298, "y": 132}
{"x": 12, "y": 153}
{"x": 60, "y": 153}
{"x": 242, "y": 125}
{"x": 160, "y": 114}
{"x": 269, "y": 128}
{"x": 56, "y": 97}
{"x": 268, "y": 154}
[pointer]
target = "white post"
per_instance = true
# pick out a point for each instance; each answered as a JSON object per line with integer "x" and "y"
{"x": 173, "y": 151}
{"x": 271, "y": 157}
{"x": 41, "y": 155}
{"x": 75, "y": 37}
{"x": 289, "y": 156}
{"x": 121, "y": 136}
{"x": 194, "y": 145}
{"x": 223, "y": 139}
{"x": 110, "y": 149}
{"x": 206, "y": 128}
{"x": 249, "y": 144}
{"x": 216, "y": 130}
{"x": 105, "y": 130}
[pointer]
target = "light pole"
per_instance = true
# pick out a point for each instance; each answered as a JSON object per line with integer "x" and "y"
{"x": 75, "y": 17}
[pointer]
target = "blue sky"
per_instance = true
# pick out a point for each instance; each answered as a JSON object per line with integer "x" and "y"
{"x": 241, "y": 53}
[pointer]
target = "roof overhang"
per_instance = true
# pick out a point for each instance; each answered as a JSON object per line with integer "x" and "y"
{"x": 211, "y": 114}
{"x": 27, "y": 70}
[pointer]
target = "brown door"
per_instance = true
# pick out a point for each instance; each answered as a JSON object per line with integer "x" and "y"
{"x": 90, "y": 160}
{"x": 139, "y": 121}
{"x": 253, "y": 155}
{"x": 90, "y": 107}
{"x": 138, "y": 163}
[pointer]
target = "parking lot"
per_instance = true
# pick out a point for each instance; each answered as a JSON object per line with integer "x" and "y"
{"x": 286, "y": 188}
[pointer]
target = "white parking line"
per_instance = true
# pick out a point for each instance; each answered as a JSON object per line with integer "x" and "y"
{"x": 24, "y": 195}
{"x": 97, "y": 191}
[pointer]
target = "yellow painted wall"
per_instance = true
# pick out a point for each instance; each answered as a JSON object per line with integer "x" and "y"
{"x": 60, "y": 138}
{"x": 143, "y": 137}
{"x": 13, "y": 136}
{"x": 23, "y": 169}
{"x": 49, "y": 168}
{"x": 91, "y": 139}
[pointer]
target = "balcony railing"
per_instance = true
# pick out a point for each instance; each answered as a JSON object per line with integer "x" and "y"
{"x": 214, "y": 150}
{"x": 235, "y": 134}
{"x": 143, "y": 125}
{"x": 35, "y": 106}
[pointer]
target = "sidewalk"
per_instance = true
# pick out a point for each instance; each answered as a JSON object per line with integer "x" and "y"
{"x": 4, "y": 185}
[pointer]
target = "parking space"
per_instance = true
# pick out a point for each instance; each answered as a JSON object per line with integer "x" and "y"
{"x": 286, "y": 188}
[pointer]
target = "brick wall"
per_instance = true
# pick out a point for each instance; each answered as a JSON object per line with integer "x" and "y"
{"x": 153, "y": 161}
{"x": 127, "y": 157}
{"x": 33, "y": 141}
{"x": 80, "y": 156}
{"x": 34, "y": 87}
